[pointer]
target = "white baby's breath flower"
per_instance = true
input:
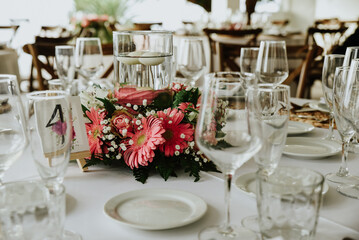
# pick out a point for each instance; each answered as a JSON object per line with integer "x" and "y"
{"x": 169, "y": 122}
{"x": 178, "y": 147}
{"x": 205, "y": 160}
{"x": 186, "y": 151}
{"x": 148, "y": 114}
{"x": 199, "y": 153}
{"x": 135, "y": 107}
{"x": 138, "y": 122}
{"x": 128, "y": 105}
{"x": 107, "y": 155}
{"x": 117, "y": 107}
{"x": 144, "y": 102}
{"x": 110, "y": 136}
{"x": 130, "y": 142}
{"x": 177, "y": 86}
{"x": 140, "y": 115}
{"x": 118, "y": 156}
{"x": 153, "y": 112}
{"x": 182, "y": 136}
{"x": 196, "y": 159}
{"x": 188, "y": 88}
{"x": 177, "y": 153}
{"x": 111, "y": 149}
{"x": 124, "y": 132}
{"x": 127, "y": 120}
{"x": 191, "y": 144}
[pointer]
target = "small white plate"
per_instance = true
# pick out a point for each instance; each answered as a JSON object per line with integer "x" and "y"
{"x": 295, "y": 128}
{"x": 247, "y": 184}
{"x": 155, "y": 209}
{"x": 319, "y": 106}
{"x": 310, "y": 148}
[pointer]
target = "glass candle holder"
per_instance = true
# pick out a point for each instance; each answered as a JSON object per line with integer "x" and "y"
{"x": 143, "y": 58}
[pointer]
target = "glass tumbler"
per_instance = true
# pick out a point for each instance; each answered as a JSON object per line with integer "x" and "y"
{"x": 31, "y": 210}
{"x": 143, "y": 58}
{"x": 288, "y": 203}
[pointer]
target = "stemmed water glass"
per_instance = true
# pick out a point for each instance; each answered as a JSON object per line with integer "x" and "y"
{"x": 272, "y": 63}
{"x": 343, "y": 109}
{"x": 50, "y": 133}
{"x": 270, "y": 107}
{"x": 13, "y": 137}
{"x": 191, "y": 60}
{"x": 65, "y": 63}
{"x": 331, "y": 62}
{"x": 350, "y": 104}
{"x": 88, "y": 59}
{"x": 248, "y": 63}
{"x": 223, "y": 135}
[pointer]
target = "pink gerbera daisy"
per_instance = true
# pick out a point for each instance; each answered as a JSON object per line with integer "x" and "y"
{"x": 143, "y": 142}
{"x": 94, "y": 130}
{"x": 177, "y": 134}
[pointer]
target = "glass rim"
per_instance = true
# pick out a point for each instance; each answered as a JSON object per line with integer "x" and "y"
{"x": 334, "y": 55}
{"x": 273, "y": 41}
{"x": 36, "y": 95}
{"x": 320, "y": 180}
{"x": 7, "y": 77}
{"x": 64, "y": 47}
{"x": 212, "y": 74}
{"x": 142, "y": 32}
{"x": 269, "y": 87}
{"x": 353, "y": 47}
{"x": 251, "y": 48}
{"x": 88, "y": 39}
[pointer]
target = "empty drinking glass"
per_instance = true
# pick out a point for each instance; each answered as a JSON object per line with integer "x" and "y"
{"x": 88, "y": 59}
{"x": 272, "y": 63}
{"x": 30, "y": 210}
{"x": 50, "y": 133}
{"x": 13, "y": 137}
{"x": 65, "y": 63}
{"x": 288, "y": 203}
{"x": 248, "y": 63}
{"x": 191, "y": 61}
{"x": 331, "y": 62}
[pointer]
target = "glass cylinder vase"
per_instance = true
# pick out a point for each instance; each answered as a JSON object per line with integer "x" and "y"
{"x": 143, "y": 58}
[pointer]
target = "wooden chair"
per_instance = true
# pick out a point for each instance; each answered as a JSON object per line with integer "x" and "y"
{"x": 226, "y": 53}
{"x": 54, "y": 32}
{"x": 303, "y": 74}
{"x": 43, "y": 54}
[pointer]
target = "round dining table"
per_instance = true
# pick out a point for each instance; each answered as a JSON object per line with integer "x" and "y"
{"x": 88, "y": 192}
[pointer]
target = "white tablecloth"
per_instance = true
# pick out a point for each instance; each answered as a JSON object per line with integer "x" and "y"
{"x": 88, "y": 192}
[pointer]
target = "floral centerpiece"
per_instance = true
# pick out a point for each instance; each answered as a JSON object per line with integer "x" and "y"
{"x": 145, "y": 130}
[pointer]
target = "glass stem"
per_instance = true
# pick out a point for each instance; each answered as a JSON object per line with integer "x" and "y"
{"x": 227, "y": 194}
{"x": 331, "y": 126}
{"x": 343, "y": 170}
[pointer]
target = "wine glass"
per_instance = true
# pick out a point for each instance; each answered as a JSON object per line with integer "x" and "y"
{"x": 223, "y": 135}
{"x": 248, "y": 63}
{"x": 270, "y": 107}
{"x": 88, "y": 59}
{"x": 13, "y": 137}
{"x": 342, "y": 110}
{"x": 191, "y": 61}
{"x": 352, "y": 53}
{"x": 50, "y": 133}
{"x": 350, "y": 102}
{"x": 331, "y": 62}
{"x": 65, "y": 63}
{"x": 272, "y": 62}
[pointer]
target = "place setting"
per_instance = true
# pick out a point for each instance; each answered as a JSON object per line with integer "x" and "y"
{"x": 133, "y": 130}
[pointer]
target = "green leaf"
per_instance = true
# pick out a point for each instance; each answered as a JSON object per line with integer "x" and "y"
{"x": 141, "y": 174}
{"x": 84, "y": 109}
{"x": 110, "y": 108}
{"x": 165, "y": 166}
{"x": 186, "y": 96}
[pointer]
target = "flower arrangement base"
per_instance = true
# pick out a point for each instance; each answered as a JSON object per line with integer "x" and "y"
{"x": 145, "y": 130}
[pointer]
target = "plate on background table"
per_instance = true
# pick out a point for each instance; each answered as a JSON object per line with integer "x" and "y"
{"x": 155, "y": 209}
{"x": 247, "y": 184}
{"x": 295, "y": 128}
{"x": 310, "y": 148}
{"x": 320, "y": 106}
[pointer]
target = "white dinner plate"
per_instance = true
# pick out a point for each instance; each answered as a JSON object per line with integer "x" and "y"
{"x": 155, "y": 209}
{"x": 295, "y": 128}
{"x": 247, "y": 184}
{"x": 319, "y": 106}
{"x": 310, "y": 148}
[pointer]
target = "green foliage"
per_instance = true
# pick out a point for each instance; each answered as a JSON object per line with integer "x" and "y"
{"x": 165, "y": 166}
{"x": 112, "y": 8}
{"x": 110, "y": 108}
{"x": 84, "y": 109}
{"x": 186, "y": 96}
{"x": 141, "y": 174}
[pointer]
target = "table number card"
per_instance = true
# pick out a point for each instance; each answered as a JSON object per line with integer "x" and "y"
{"x": 80, "y": 147}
